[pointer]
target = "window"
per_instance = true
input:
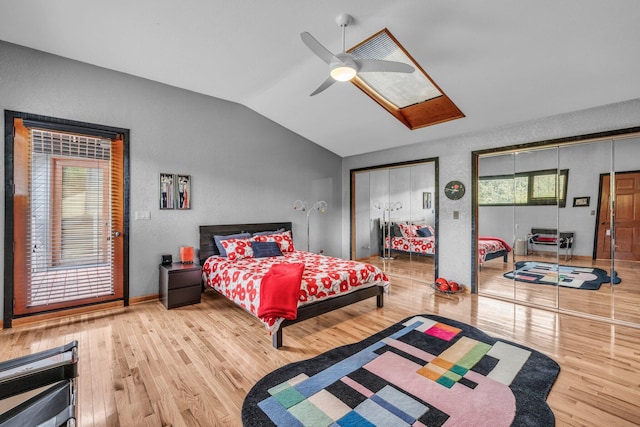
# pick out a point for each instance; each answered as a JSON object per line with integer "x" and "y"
{"x": 545, "y": 187}
{"x": 412, "y": 98}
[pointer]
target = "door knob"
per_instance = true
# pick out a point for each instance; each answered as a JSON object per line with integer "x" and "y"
{"x": 116, "y": 234}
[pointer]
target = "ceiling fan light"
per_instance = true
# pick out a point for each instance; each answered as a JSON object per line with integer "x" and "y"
{"x": 343, "y": 73}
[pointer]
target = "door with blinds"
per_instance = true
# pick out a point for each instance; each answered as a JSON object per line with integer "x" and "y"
{"x": 68, "y": 212}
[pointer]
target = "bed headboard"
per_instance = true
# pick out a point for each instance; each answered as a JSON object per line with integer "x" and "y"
{"x": 208, "y": 247}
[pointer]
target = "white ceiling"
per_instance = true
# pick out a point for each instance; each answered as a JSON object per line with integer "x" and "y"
{"x": 500, "y": 61}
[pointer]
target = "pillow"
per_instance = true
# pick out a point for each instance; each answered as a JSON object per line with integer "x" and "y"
{"x": 218, "y": 241}
{"x": 284, "y": 240}
{"x": 266, "y": 233}
{"x": 408, "y": 230}
{"x": 265, "y": 249}
{"x": 404, "y": 229}
{"x": 424, "y": 232}
{"x": 237, "y": 248}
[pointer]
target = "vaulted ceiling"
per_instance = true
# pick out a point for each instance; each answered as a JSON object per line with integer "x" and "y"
{"x": 500, "y": 61}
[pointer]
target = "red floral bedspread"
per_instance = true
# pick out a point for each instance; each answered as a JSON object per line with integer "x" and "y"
{"x": 323, "y": 277}
{"x": 418, "y": 245}
{"x": 487, "y": 246}
{"x": 426, "y": 245}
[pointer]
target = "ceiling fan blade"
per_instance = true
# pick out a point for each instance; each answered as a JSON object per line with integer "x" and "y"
{"x": 330, "y": 80}
{"x": 379, "y": 65}
{"x": 315, "y": 46}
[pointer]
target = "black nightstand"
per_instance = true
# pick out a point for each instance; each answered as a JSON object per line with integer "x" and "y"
{"x": 180, "y": 284}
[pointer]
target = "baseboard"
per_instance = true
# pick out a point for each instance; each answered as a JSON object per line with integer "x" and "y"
{"x": 28, "y": 320}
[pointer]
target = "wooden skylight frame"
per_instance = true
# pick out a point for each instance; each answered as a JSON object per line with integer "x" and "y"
{"x": 421, "y": 114}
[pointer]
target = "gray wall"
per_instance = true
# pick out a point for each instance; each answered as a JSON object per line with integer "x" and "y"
{"x": 455, "y": 164}
{"x": 244, "y": 167}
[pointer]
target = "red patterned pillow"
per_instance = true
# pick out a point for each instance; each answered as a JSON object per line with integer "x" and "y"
{"x": 409, "y": 230}
{"x": 284, "y": 240}
{"x": 237, "y": 248}
{"x": 405, "y": 230}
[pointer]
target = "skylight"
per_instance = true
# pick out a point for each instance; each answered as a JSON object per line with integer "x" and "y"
{"x": 413, "y": 98}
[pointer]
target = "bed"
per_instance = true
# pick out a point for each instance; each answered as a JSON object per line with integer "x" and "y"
{"x": 416, "y": 239}
{"x": 491, "y": 248}
{"x": 326, "y": 284}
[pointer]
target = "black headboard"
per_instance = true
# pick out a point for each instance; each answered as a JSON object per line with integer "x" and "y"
{"x": 208, "y": 247}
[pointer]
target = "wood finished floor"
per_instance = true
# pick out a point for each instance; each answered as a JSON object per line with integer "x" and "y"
{"x": 147, "y": 366}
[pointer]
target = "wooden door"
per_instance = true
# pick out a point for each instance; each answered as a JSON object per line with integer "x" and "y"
{"x": 626, "y": 217}
{"x": 46, "y": 277}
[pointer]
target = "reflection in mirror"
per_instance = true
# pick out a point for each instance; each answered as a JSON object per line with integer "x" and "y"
{"x": 495, "y": 219}
{"x": 394, "y": 219}
{"x": 536, "y": 222}
{"x": 580, "y": 290}
{"x": 626, "y": 229}
{"x": 572, "y": 211}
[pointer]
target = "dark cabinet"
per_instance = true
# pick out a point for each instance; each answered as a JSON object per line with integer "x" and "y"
{"x": 180, "y": 284}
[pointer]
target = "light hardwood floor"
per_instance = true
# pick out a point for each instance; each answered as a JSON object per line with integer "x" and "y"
{"x": 192, "y": 366}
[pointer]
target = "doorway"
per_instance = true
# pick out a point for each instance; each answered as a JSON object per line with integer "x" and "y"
{"x": 66, "y": 226}
{"x": 627, "y": 217}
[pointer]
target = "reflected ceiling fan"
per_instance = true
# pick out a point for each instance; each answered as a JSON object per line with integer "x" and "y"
{"x": 344, "y": 66}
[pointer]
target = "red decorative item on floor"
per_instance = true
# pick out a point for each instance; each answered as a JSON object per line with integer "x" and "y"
{"x": 442, "y": 284}
{"x": 186, "y": 254}
{"x": 454, "y": 286}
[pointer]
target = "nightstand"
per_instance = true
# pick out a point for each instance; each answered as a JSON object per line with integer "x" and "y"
{"x": 180, "y": 284}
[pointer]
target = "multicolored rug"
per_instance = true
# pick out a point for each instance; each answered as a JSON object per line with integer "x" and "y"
{"x": 424, "y": 371}
{"x": 588, "y": 278}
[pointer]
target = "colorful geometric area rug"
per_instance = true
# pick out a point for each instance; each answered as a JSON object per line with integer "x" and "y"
{"x": 588, "y": 278}
{"x": 424, "y": 371}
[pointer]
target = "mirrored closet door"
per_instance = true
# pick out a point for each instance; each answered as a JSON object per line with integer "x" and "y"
{"x": 394, "y": 218}
{"x": 571, "y": 213}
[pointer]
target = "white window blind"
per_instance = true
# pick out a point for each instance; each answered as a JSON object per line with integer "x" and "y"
{"x": 70, "y": 245}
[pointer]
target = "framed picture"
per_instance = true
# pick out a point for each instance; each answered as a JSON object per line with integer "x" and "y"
{"x": 183, "y": 195}
{"x": 167, "y": 191}
{"x": 581, "y": 201}
{"x": 426, "y": 200}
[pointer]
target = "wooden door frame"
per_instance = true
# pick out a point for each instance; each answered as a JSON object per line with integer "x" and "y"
{"x": 63, "y": 125}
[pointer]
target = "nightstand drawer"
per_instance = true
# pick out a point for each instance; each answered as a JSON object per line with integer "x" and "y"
{"x": 184, "y": 278}
{"x": 184, "y": 296}
{"x": 180, "y": 284}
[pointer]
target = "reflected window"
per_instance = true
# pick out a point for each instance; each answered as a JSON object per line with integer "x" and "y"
{"x": 544, "y": 187}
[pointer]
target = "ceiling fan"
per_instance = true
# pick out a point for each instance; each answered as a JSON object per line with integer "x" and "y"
{"x": 344, "y": 66}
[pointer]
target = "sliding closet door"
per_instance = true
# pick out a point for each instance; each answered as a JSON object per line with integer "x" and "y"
{"x": 383, "y": 197}
{"x": 422, "y": 214}
{"x": 379, "y": 210}
{"x": 537, "y": 190}
{"x": 496, "y": 219}
{"x": 365, "y": 230}
{"x": 626, "y": 229}
{"x": 585, "y": 289}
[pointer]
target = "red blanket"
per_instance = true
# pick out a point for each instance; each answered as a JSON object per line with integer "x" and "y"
{"x": 506, "y": 245}
{"x": 280, "y": 291}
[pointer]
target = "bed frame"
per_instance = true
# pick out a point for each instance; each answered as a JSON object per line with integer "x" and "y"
{"x": 493, "y": 255}
{"x": 208, "y": 248}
